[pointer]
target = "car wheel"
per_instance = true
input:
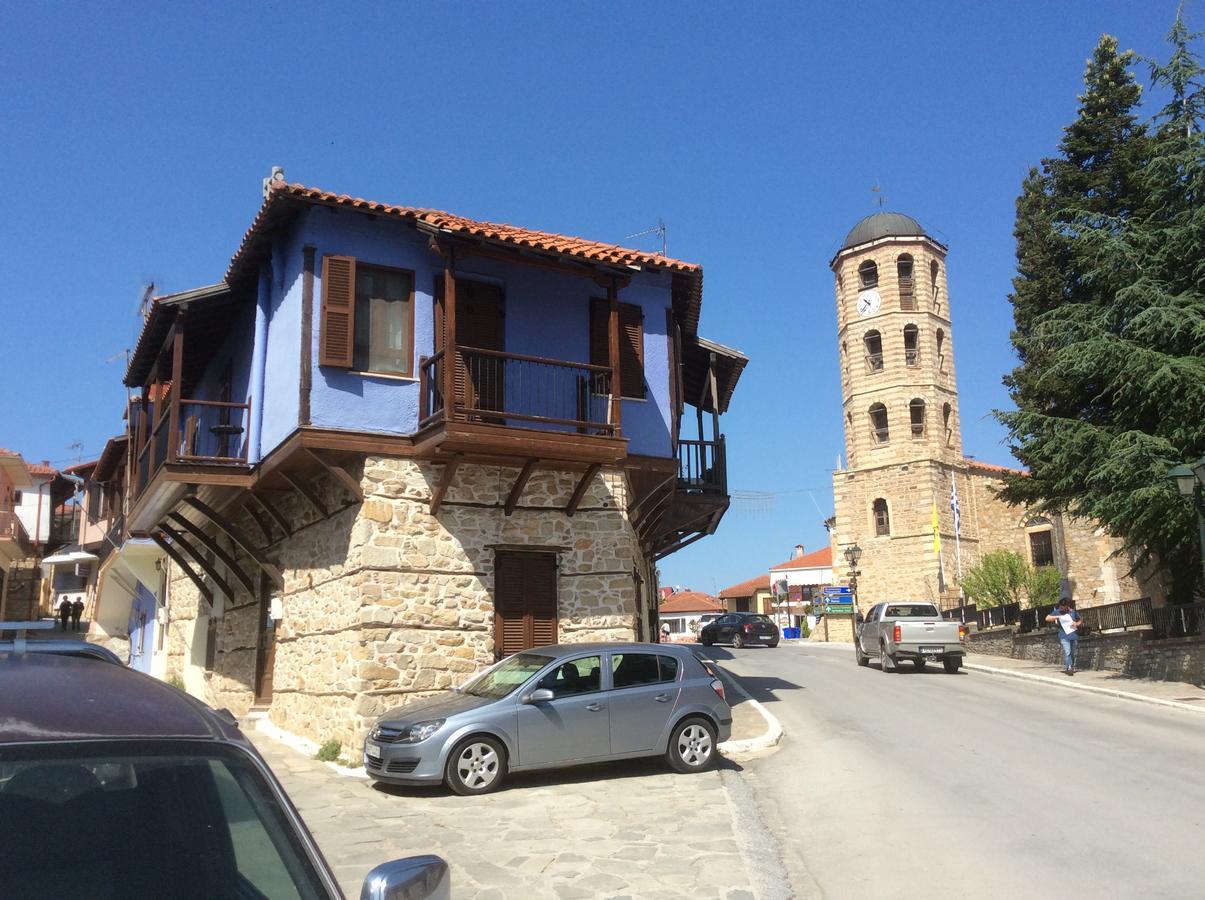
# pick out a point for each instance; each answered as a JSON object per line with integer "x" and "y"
{"x": 737, "y": 641}
{"x": 476, "y": 766}
{"x": 918, "y": 664}
{"x": 952, "y": 664}
{"x": 886, "y": 660}
{"x": 862, "y": 658}
{"x": 705, "y": 642}
{"x": 691, "y": 746}
{"x": 772, "y": 644}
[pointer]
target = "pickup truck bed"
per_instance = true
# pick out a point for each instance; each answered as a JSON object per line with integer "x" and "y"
{"x": 908, "y": 630}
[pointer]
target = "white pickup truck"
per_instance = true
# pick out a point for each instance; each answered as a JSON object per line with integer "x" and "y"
{"x": 904, "y": 629}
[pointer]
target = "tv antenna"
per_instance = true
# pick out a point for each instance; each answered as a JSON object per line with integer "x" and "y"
{"x": 660, "y": 229}
{"x": 78, "y": 448}
{"x": 148, "y": 298}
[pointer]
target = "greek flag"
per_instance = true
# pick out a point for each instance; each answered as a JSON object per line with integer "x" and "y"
{"x": 954, "y": 505}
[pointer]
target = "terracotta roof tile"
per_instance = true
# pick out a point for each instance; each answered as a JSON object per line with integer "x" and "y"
{"x": 988, "y": 467}
{"x": 41, "y": 469}
{"x": 747, "y": 588}
{"x": 817, "y": 559}
{"x": 691, "y": 601}
{"x": 591, "y": 251}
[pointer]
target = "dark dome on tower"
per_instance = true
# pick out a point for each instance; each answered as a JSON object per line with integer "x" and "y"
{"x": 880, "y": 225}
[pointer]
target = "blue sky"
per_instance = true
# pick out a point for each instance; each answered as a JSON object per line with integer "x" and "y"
{"x": 135, "y": 138}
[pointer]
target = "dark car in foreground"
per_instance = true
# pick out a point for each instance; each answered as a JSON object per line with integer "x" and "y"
{"x": 560, "y": 705}
{"x": 114, "y": 784}
{"x": 740, "y": 629}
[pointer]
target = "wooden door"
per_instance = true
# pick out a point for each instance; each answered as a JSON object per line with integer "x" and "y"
{"x": 265, "y": 648}
{"x": 480, "y": 379}
{"x": 525, "y": 601}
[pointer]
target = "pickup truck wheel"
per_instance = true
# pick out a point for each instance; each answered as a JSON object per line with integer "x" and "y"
{"x": 737, "y": 641}
{"x": 952, "y": 664}
{"x": 886, "y": 660}
{"x": 863, "y": 659}
{"x": 918, "y": 664}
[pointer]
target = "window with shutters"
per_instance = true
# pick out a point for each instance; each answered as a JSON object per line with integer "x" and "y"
{"x": 525, "y": 601}
{"x": 631, "y": 344}
{"x": 367, "y": 317}
{"x": 916, "y": 411}
{"x": 911, "y": 345}
{"x": 872, "y": 342}
{"x": 878, "y": 424}
{"x": 868, "y": 274}
{"x": 903, "y": 272}
{"x": 882, "y": 517}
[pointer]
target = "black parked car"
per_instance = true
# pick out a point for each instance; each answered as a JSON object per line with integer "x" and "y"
{"x": 149, "y": 793}
{"x": 740, "y": 629}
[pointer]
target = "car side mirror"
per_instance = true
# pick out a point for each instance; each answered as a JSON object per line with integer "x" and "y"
{"x": 412, "y": 878}
{"x": 539, "y": 695}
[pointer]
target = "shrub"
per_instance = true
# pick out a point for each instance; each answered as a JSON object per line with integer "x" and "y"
{"x": 329, "y": 751}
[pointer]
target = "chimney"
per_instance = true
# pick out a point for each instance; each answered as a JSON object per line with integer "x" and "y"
{"x": 277, "y": 177}
{"x": 798, "y": 551}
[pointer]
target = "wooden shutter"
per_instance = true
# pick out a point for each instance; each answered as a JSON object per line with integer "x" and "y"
{"x": 631, "y": 350}
{"x": 525, "y": 604}
{"x": 336, "y": 341}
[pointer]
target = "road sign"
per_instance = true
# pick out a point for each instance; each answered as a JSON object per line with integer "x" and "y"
{"x": 839, "y": 591}
{"x": 837, "y": 608}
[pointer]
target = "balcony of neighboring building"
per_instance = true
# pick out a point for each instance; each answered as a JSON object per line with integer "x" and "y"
{"x": 14, "y": 540}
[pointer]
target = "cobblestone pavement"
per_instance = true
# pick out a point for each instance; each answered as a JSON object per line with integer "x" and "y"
{"x": 629, "y": 829}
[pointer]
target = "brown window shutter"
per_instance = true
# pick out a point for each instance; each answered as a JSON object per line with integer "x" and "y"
{"x": 337, "y": 335}
{"x": 631, "y": 350}
{"x": 525, "y": 607}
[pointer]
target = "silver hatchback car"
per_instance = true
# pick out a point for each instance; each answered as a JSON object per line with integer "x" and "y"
{"x": 561, "y": 705}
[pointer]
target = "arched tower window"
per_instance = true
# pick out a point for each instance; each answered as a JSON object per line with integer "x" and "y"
{"x": 916, "y": 412}
{"x": 946, "y": 416}
{"x": 873, "y": 342}
{"x": 911, "y": 345}
{"x": 868, "y": 274}
{"x": 903, "y": 272}
{"x": 882, "y": 517}
{"x": 878, "y": 424}
{"x": 934, "y": 272}
{"x": 941, "y": 350}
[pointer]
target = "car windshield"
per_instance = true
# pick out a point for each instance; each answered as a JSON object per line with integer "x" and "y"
{"x": 162, "y": 821}
{"x": 505, "y": 678}
{"x": 911, "y": 611}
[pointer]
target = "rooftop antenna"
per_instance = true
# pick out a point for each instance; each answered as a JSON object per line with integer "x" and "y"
{"x": 78, "y": 447}
{"x": 880, "y": 198}
{"x": 147, "y": 301}
{"x": 660, "y": 229}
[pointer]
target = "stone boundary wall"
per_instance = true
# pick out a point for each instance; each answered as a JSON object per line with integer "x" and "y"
{"x": 1131, "y": 653}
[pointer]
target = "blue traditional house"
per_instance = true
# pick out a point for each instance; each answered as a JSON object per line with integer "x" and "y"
{"x": 392, "y": 445}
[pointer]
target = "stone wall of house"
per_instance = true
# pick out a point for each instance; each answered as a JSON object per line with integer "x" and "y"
{"x": 1131, "y": 653}
{"x": 838, "y": 630}
{"x": 383, "y": 602}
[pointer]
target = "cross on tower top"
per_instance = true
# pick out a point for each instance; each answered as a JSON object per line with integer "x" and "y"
{"x": 880, "y": 198}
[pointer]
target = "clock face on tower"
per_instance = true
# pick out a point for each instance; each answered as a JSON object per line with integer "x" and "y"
{"x": 869, "y": 302}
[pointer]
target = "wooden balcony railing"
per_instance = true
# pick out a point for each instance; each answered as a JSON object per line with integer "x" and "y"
{"x": 11, "y": 529}
{"x": 702, "y": 466}
{"x": 494, "y": 387}
{"x": 207, "y": 432}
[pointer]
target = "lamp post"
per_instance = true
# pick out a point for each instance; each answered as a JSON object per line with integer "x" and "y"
{"x": 1189, "y": 480}
{"x": 852, "y": 555}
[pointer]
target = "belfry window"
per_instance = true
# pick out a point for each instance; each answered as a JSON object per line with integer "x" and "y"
{"x": 873, "y": 342}
{"x": 868, "y": 274}
{"x": 934, "y": 272}
{"x": 903, "y": 273}
{"x": 941, "y": 350}
{"x": 882, "y": 517}
{"x": 916, "y": 411}
{"x": 946, "y": 417}
{"x": 878, "y": 424}
{"x": 911, "y": 345}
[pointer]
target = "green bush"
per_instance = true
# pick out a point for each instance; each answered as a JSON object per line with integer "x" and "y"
{"x": 804, "y": 631}
{"x": 177, "y": 682}
{"x": 329, "y": 751}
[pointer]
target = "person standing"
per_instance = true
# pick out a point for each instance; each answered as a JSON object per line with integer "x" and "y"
{"x": 64, "y": 612}
{"x": 77, "y": 610}
{"x": 1067, "y": 623}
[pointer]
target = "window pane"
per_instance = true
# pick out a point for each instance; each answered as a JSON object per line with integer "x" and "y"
{"x": 1041, "y": 548}
{"x": 578, "y": 676}
{"x": 631, "y": 669}
{"x": 669, "y": 668}
{"x": 382, "y": 320}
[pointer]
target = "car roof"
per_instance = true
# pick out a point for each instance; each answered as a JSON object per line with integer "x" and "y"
{"x": 72, "y": 698}
{"x": 561, "y": 650}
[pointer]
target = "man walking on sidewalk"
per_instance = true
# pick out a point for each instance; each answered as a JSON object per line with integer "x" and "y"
{"x": 1068, "y": 622}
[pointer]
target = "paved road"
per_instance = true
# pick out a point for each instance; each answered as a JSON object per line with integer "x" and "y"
{"x": 971, "y": 785}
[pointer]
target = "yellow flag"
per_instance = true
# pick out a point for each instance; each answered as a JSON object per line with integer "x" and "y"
{"x": 936, "y": 534}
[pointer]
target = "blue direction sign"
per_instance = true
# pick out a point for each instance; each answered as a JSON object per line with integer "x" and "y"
{"x": 838, "y": 591}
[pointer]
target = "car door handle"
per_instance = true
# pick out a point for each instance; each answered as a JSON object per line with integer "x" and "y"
{"x": 594, "y": 707}
{"x": 662, "y": 698}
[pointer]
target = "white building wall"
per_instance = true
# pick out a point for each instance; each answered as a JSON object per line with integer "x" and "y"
{"x": 36, "y": 520}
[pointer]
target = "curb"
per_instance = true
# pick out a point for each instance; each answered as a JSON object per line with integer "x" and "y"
{"x": 769, "y": 738}
{"x": 1091, "y": 689}
{"x": 301, "y": 745}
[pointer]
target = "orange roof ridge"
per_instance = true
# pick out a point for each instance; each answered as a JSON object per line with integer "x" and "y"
{"x": 817, "y": 559}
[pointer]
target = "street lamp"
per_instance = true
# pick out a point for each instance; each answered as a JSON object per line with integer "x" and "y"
{"x": 1189, "y": 480}
{"x": 852, "y": 555}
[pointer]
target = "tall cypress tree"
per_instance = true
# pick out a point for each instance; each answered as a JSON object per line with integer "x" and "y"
{"x": 1109, "y": 306}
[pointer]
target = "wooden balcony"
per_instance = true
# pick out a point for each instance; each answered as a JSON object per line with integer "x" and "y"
{"x": 14, "y": 540}
{"x": 513, "y": 405}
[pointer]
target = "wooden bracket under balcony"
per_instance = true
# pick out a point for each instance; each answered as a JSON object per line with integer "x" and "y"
{"x": 236, "y": 534}
{"x": 516, "y": 490}
{"x": 445, "y": 482}
{"x": 216, "y": 549}
{"x": 178, "y": 558}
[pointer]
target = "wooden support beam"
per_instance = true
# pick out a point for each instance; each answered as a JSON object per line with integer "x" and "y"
{"x": 200, "y": 558}
{"x": 634, "y": 509}
{"x": 521, "y": 482}
{"x": 217, "y": 550}
{"x": 341, "y": 474}
{"x": 445, "y": 482}
{"x": 235, "y": 534}
{"x": 306, "y": 491}
{"x": 178, "y": 559}
{"x": 580, "y": 490}
{"x": 264, "y": 528}
{"x": 272, "y": 511}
